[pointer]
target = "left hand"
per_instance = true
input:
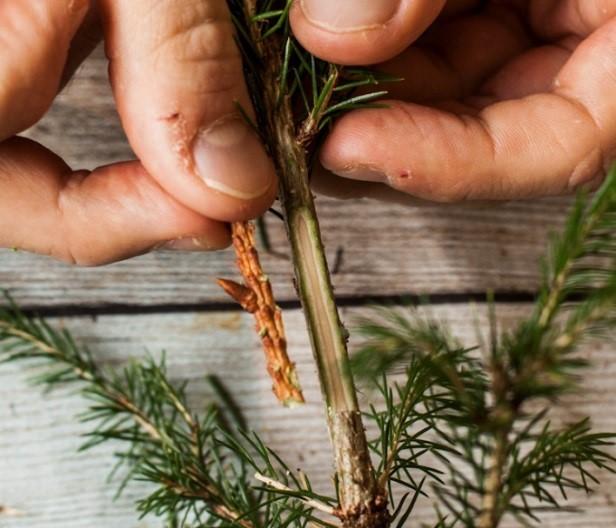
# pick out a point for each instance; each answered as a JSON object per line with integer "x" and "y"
{"x": 502, "y": 99}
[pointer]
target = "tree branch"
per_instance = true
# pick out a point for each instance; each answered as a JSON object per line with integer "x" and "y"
{"x": 362, "y": 503}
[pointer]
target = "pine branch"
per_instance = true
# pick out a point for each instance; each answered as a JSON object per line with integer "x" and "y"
{"x": 199, "y": 466}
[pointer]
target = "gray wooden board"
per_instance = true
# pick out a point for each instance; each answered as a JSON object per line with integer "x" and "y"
{"x": 398, "y": 251}
{"x": 42, "y": 476}
{"x": 388, "y": 249}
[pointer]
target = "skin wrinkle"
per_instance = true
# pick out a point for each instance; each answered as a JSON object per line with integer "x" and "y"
{"x": 541, "y": 137}
{"x": 490, "y": 137}
{"x": 193, "y": 17}
{"x": 65, "y": 240}
{"x": 601, "y": 159}
{"x": 198, "y": 43}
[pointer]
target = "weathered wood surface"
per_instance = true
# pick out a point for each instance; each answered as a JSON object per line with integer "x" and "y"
{"x": 42, "y": 476}
{"x": 388, "y": 249}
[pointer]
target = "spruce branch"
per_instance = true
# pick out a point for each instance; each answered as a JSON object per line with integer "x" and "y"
{"x": 257, "y": 298}
{"x": 199, "y": 466}
{"x": 283, "y": 78}
{"x": 313, "y": 503}
{"x": 504, "y": 459}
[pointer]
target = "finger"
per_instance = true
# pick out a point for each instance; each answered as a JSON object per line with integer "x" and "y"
{"x": 178, "y": 80}
{"x": 455, "y": 57}
{"x": 531, "y": 72}
{"x": 327, "y": 184}
{"x": 32, "y": 67}
{"x": 361, "y": 31}
{"x": 444, "y": 157}
{"x": 91, "y": 218}
{"x": 555, "y": 19}
{"x": 538, "y": 145}
{"x": 88, "y": 37}
{"x": 589, "y": 80}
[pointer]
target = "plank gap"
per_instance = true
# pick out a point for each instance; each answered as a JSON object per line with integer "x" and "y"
{"x": 349, "y": 301}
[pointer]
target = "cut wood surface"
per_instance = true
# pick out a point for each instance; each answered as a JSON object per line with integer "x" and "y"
{"x": 43, "y": 476}
{"x": 174, "y": 304}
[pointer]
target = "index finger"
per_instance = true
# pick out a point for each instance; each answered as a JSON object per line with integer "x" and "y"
{"x": 543, "y": 144}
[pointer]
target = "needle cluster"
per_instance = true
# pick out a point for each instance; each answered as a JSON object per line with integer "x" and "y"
{"x": 467, "y": 428}
{"x": 482, "y": 414}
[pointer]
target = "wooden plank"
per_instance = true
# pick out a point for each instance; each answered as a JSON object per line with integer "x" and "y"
{"x": 42, "y": 476}
{"x": 399, "y": 251}
{"x": 387, "y": 249}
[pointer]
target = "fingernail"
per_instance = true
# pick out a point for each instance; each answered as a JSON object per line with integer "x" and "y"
{"x": 362, "y": 174}
{"x": 349, "y": 15}
{"x": 230, "y": 158}
{"x": 192, "y": 244}
{"x": 586, "y": 170}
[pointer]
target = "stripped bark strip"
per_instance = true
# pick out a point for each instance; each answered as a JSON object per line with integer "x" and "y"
{"x": 257, "y": 298}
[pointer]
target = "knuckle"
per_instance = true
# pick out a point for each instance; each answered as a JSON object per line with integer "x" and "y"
{"x": 196, "y": 42}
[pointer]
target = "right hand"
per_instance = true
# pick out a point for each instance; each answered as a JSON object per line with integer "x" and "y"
{"x": 502, "y": 99}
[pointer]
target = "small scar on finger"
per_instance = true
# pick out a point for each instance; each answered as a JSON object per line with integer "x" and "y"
{"x": 170, "y": 117}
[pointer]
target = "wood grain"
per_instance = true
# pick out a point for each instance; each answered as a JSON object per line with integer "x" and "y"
{"x": 386, "y": 249}
{"x": 42, "y": 476}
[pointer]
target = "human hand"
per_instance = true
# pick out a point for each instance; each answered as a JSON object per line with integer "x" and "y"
{"x": 177, "y": 78}
{"x": 502, "y": 99}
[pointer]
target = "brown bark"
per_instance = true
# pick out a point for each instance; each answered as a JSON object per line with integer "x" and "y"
{"x": 256, "y": 297}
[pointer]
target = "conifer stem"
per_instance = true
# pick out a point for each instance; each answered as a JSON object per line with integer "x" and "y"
{"x": 490, "y": 512}
{"x": 362, "y": 503}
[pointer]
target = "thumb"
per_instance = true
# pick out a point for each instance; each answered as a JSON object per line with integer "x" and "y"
{"x": 178, "y": 81}
{"x": 361, "y": 31}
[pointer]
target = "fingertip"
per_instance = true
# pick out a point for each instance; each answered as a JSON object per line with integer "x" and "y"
{"x": 178, "y": 85}
{"x": 354, "y": 32}
{"x": 420, "y": 150}
{"x": 231, "y": 161}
